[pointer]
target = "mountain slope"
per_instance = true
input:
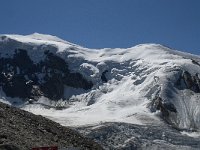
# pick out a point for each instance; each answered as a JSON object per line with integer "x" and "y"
{"x": 23, "y": 130}
{"x": 139, "y": 85}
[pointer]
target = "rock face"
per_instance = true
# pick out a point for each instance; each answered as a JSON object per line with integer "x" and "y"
{"x": 103, "y": 76}
{"x": 191, "y": 82}
{"x": 184, "y": 83}
{"x": 22, "y": 78}
{"x": 165, "y": 108}
{"x": 21, "y": 130}
{"x": 195, "y": 62}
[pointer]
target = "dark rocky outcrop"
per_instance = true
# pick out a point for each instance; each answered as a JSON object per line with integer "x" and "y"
{"x": 188, "y": 81}
{"x": 185, "y": 81}
{"x": 103, "y": 76}
{"x": 164, "y": 107}
{"x": 21, "y": 130}
{"x": 170, "y": 107}
{"x": 16, "y": 86}
{"x": 53, "y": 87}
{"x": 21, "y": 77}
{"x": 195, "y": 62}
{"x": 76, "y": 80}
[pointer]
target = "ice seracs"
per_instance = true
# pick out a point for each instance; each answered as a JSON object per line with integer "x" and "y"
{"x": 126, "y": 83}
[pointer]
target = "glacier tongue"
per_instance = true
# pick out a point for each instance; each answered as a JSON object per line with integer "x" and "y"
{"x": 137, "y": 85}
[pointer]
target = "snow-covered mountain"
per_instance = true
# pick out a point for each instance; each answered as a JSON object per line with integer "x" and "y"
{"x": 148, "y": 84}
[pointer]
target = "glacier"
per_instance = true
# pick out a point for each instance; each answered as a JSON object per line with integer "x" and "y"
{"x": 148, "y": 84}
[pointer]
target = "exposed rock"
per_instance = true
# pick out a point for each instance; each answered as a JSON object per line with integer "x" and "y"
{"x": 53, "y": 88}
{"x": 197, "y": 81}
{"x": 103, "y": 76}
{"x": 188, "y": 81}
{"x": 76, "y": 80}
{"x": 20, "y": 77}
{"x": 22, "y": 130}
{"x": 165, "y": 108}
{"x": 17, "y": 87}
{"x": 36, "y": 92}
{"x": 170, "y": 107}
{"x": 23, "y": 61}
{"x": 195, "y": 62}
{"x": 54, "y": 62}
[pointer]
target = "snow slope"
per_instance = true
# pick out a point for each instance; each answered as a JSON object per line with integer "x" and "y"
{"x": 135, "y": 77}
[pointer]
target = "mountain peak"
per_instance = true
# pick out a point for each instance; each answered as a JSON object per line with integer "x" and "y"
{"x": 40, "y": 36}
{"x": 78, "y": 86}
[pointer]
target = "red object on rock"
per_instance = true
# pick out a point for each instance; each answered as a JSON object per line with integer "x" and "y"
{"x": 46, "y": 148}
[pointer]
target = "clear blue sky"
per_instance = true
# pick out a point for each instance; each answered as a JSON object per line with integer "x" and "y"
{"x": 107, "y": 23}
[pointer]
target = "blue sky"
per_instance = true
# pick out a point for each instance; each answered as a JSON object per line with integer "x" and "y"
{"x": 107, "y": 23}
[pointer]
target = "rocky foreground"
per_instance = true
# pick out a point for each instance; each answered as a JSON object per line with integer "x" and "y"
{"x": 21, "y": 130}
